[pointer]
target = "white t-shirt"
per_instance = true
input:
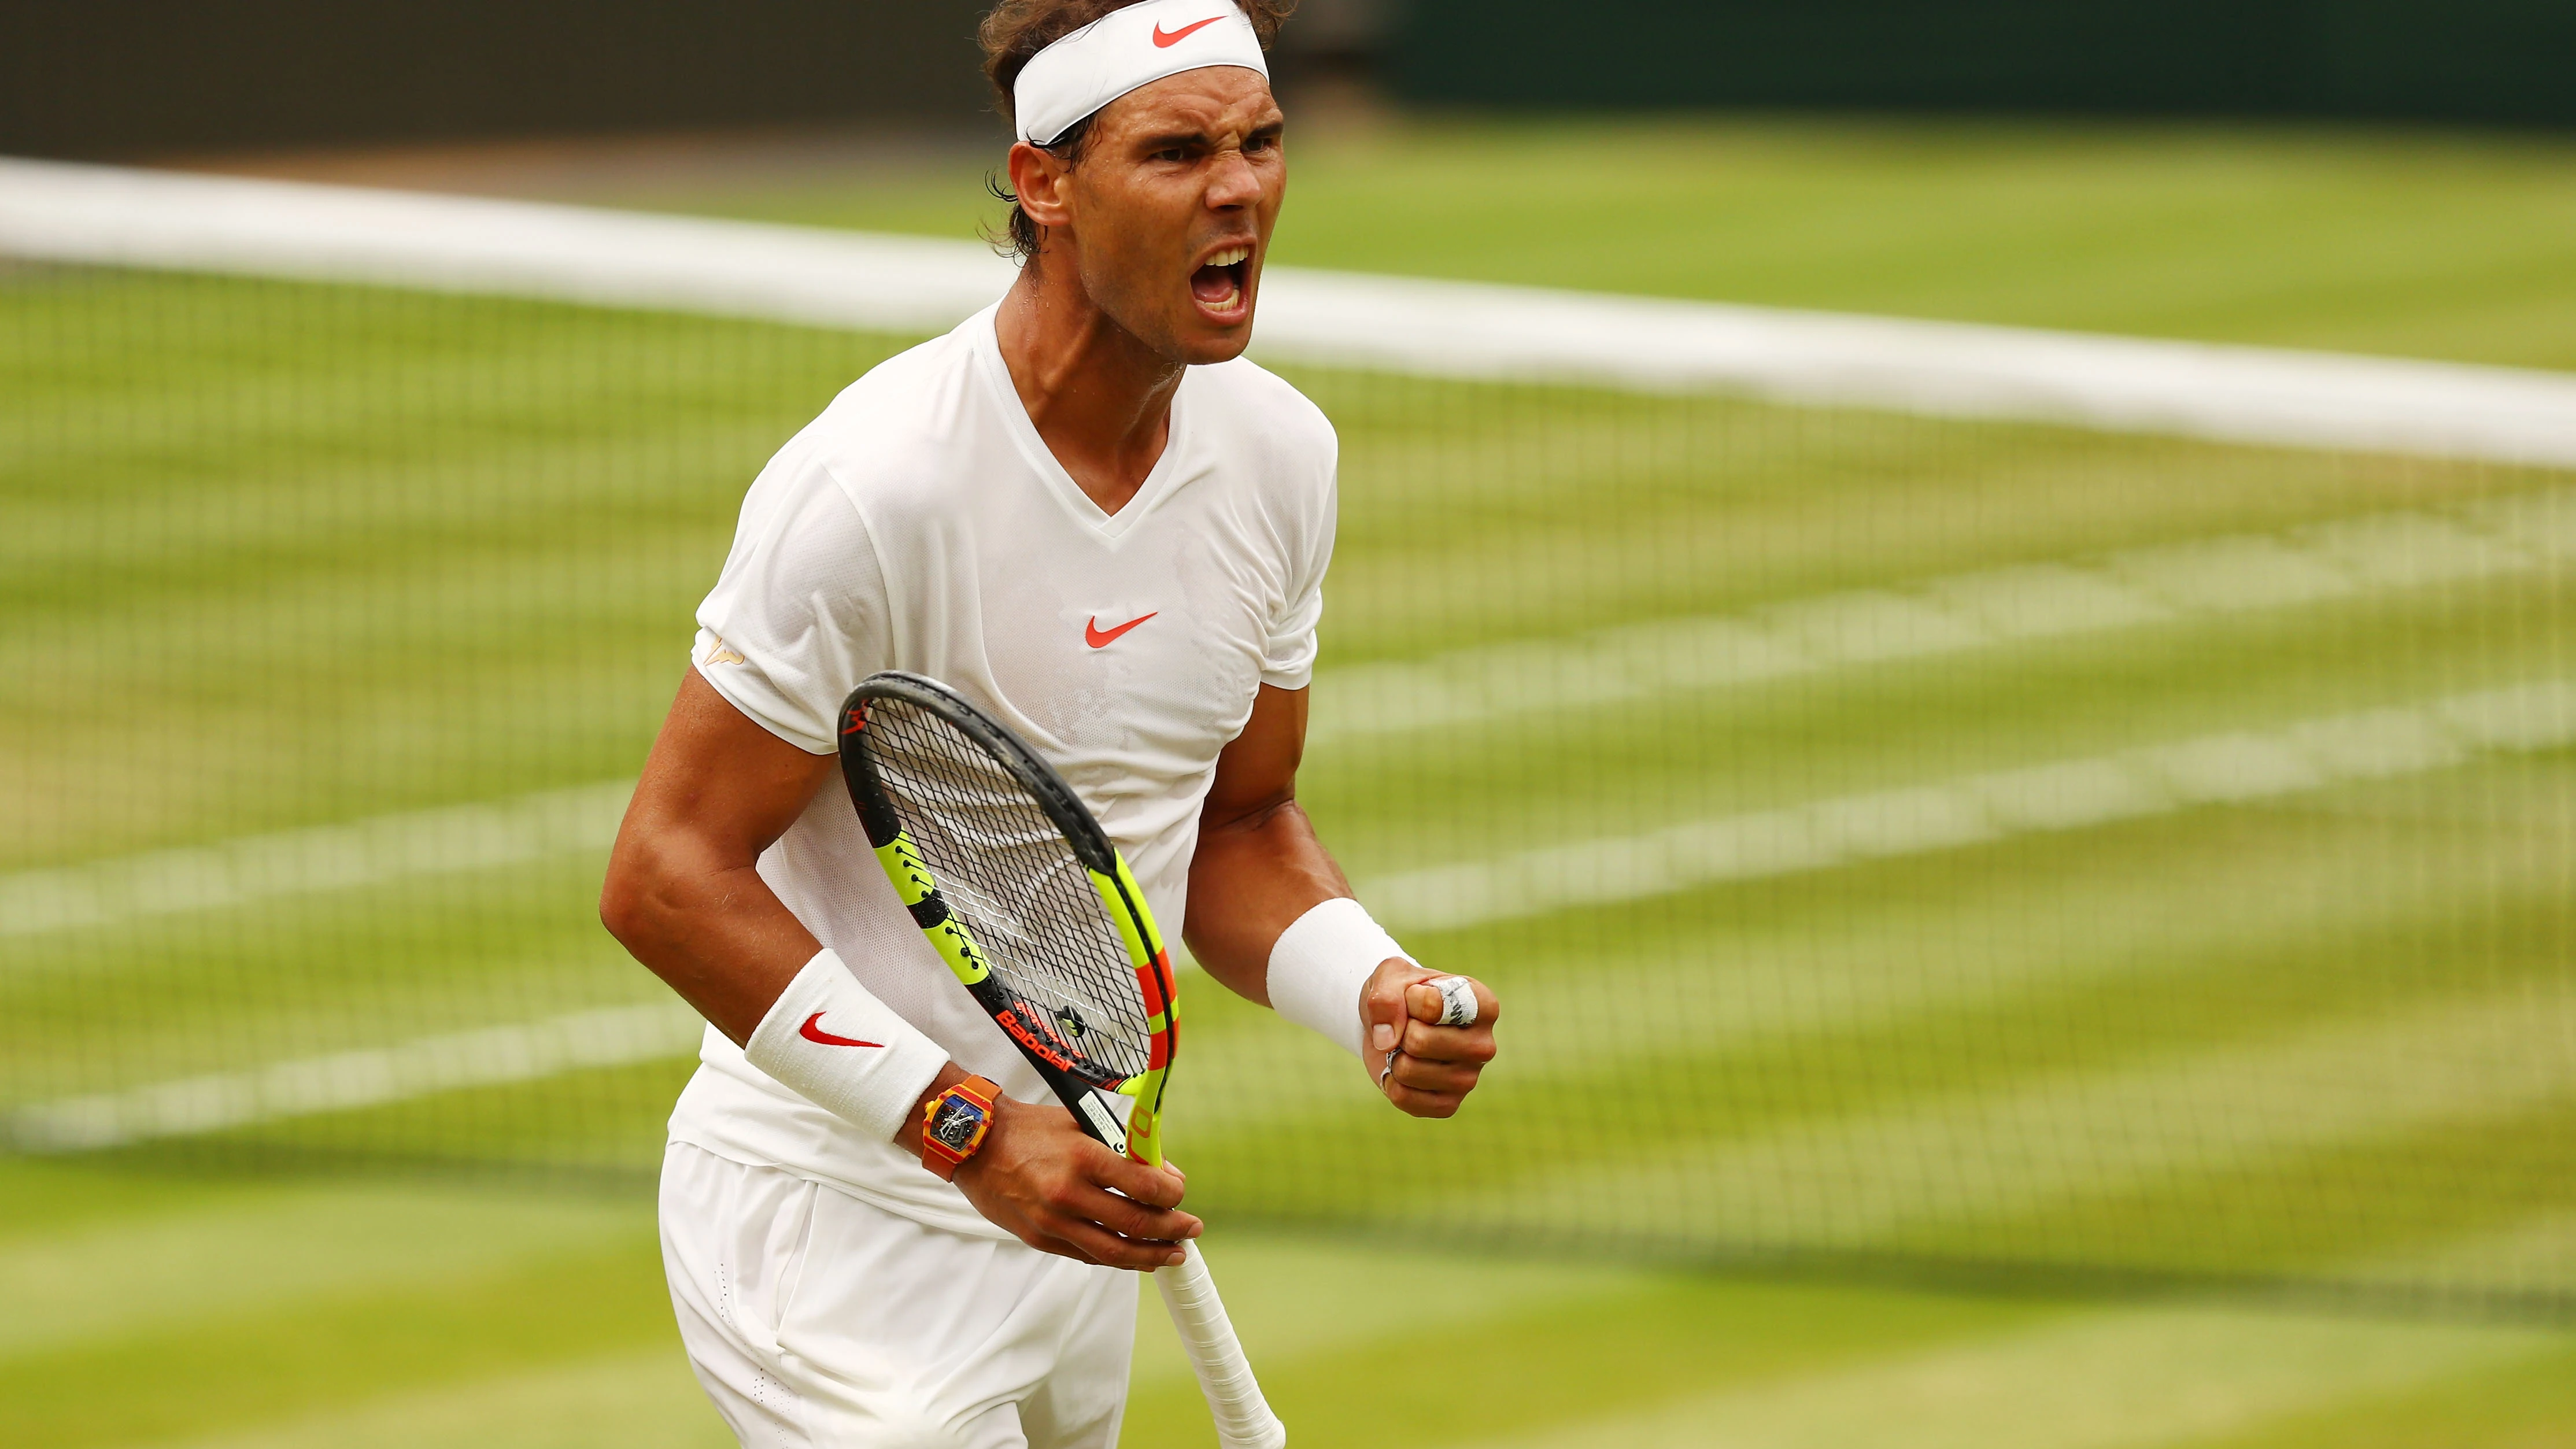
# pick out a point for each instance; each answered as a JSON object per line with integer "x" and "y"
{"x": 920, "y": 523}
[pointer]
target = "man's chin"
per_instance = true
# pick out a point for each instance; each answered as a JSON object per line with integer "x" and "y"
{"x": 1203, "y": 338}
{"x": 1218, "y": 347}
{"x": 1191, "y": 337}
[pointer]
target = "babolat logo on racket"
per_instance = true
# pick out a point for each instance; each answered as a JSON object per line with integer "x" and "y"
{"x": 1041, "y": 1047}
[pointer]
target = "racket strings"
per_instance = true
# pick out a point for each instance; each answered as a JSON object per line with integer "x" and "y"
{"x": 1004, "y": 867}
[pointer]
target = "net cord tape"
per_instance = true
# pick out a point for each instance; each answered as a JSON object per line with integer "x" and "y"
{"x": 119, "y": 216}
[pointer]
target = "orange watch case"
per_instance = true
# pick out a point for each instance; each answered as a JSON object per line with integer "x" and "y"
{"x": 954, "y": 1123}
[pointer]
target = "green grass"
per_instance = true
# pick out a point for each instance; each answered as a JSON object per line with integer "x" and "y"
{"x": 2426, "y": 244}
{"x": 285, "y": 555}
{"x": 157, "y": 1310}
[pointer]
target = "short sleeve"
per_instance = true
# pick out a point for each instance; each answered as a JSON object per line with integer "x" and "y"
{"x": 798, "y": 616}
{"x": 1288, "y": 651}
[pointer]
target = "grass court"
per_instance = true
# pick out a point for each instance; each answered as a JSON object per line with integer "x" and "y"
{"x": 1940, "y": 1131}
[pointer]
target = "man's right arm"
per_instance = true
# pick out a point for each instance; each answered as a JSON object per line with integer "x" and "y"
{"x": 684, "y": 892}
{"x": 685, "y": 896}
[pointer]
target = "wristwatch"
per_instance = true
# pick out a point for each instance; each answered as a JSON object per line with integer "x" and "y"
{"x": 954, "y": 1124}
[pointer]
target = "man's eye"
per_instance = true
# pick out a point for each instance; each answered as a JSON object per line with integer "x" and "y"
{"x": 1171, "y": 153}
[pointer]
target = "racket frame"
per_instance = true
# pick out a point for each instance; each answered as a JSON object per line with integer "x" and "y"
{"x": 1244, "y": 1419}
{"x": 1077, "y": 1081}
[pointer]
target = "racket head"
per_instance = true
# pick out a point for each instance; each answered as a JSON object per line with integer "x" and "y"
{"x": 1010, "y": 877}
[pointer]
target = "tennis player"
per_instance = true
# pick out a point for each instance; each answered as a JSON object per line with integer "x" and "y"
{"x": 1087, "y": 512}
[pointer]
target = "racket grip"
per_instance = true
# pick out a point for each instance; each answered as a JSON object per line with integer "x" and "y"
{"x": 1243, "y": 1417}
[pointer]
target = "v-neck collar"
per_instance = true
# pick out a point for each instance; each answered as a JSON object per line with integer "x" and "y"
{"x": 1024, "y": 433}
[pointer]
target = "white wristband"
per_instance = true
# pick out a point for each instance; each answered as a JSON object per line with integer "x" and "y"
{"x": 1320, "y": 964}
{"x": 830, "y": 1039}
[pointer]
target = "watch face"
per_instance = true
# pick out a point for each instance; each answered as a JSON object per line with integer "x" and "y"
{"x": 954, "y": 1127}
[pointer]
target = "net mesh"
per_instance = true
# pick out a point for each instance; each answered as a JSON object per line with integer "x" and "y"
{"x": 1005, "y": 870}
{"x": 1896, "y": 843}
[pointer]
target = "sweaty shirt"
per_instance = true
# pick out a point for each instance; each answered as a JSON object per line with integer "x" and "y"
{"x": 920, "y": 523}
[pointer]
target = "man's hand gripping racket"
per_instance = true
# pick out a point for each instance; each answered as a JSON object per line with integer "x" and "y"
{"x": 1019, "y": 890}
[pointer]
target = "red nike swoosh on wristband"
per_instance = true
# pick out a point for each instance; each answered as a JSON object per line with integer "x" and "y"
{"x": 813, "y": 1031}
{"x": 1164, "y": 39}
{"x": 1099, "y": 638}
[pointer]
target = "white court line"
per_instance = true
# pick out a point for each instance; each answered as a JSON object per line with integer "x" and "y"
{"x": 315, "y": 858}
{"x": 372, "y": 1077}
{"x": 1797, "y": 636}
{"x": 115, "y": 216}
{"x": 2202, "y": 578}
{"x": 2046, "y": 1146}
{"x": 2231, "y": 768}
{"x": 2537, "y": 1248}
{"x": 1873, "y": 990}
{"x": 2210, "y": 769}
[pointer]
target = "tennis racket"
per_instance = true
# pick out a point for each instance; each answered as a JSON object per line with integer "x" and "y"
{"x": 1019, "y": 890}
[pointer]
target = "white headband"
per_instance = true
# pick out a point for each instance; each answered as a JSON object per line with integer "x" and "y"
{"x": 1122, "y": 50}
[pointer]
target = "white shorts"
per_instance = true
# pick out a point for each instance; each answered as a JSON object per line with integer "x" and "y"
{"x": 816, "y": 1321}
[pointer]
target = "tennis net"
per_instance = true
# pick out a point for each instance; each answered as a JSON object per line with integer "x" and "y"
{"x": 1932, "y": 798}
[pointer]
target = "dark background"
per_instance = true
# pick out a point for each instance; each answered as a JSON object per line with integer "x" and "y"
{"x": 129, "y": 77}
{"x": 139, "y": 77}
{"x": 2496, "y": 61}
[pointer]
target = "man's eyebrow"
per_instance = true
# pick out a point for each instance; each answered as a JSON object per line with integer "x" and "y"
{"x": 1198, "y": 140}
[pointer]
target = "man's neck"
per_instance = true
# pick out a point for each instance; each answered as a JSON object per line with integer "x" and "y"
{"x": 1101, "y": 400}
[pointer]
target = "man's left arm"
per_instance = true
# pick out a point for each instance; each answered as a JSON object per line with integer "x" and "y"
{"x": 1260, "y": 870}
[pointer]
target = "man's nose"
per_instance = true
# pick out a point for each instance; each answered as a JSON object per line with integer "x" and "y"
{"x": 1234, "y": 182}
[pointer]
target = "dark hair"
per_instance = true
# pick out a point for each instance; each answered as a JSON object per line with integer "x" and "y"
{"x": 1017, "y": 30}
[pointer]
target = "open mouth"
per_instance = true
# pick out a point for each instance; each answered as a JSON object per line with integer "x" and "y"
{"x": 1218, "y": 283}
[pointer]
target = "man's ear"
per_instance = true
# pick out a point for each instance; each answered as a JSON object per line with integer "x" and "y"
{"x": 1038, "y": 178}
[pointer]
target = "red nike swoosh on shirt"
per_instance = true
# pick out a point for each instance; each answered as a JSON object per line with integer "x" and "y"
{"x": 813, "y": 1031}
{"x": 1099, "y": 638}
{"x": 1166, "y": 38}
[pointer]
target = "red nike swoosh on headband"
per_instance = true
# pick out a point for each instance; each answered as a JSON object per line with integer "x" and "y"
{"x": 813, "y": 1031}
{"x": 1166, "y": 38}
{"x": 1099, "y": 638}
